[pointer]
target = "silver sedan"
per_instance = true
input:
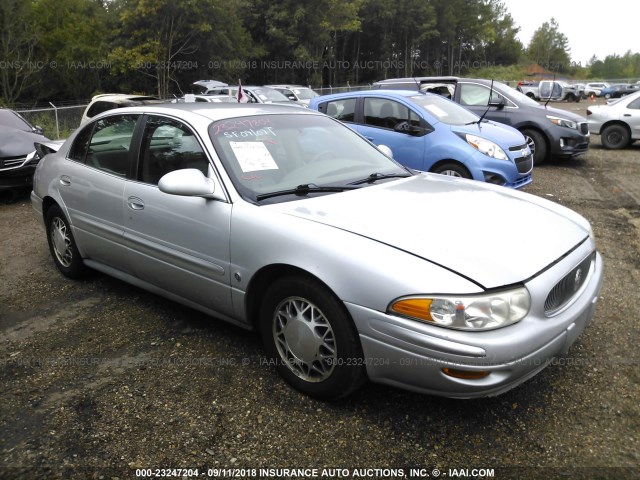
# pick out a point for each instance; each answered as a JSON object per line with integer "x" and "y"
{"x": 618, "y": 122}
{"x": 351, "y": 267}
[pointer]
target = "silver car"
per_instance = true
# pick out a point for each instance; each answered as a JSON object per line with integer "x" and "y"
{"x": 617, "y": 122}
{"x": 349, "y": 265}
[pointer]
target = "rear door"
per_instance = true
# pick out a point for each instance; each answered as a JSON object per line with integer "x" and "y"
{"x": 179, "y": 244}
{"x": 92, "y": 183}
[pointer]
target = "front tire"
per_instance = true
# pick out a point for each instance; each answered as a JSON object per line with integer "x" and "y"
{"x": 537, "y": 144}
{"x": 452, "y": 169}
{"x": 615, "y": 137}
{"x": 310, "y": 337}
{"x": 62, "y": 245}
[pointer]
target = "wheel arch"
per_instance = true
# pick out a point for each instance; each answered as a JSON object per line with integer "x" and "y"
{"x": 260, "y": 282}
{"x": 47, "y": 203}
{"x": 450, "y": 160}
{"x": 618, "y": 123}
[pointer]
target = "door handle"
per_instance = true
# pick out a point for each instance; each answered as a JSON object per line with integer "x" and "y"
{"x": 135, "y": 203}
{"x": 65, "y": 180}
{"x": 369, "y": 138}
{"x": 626, "y": 115}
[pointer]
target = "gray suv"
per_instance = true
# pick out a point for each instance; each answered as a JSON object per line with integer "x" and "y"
{"x": 550, "y": 132}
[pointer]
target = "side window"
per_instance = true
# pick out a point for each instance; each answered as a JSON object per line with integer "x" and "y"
{"x": 168, "y": 145}
{"x": 110, "y": 145}
{"x": 343, "y": 110}
{"x": 78, "y": 150}
{"x": 476, "y": 95}
{"x": 635, "y": 105}
{"x": 379, "y": 112}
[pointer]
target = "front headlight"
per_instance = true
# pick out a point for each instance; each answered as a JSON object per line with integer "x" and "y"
{"x": 473, "y": 312}
{"x": 486, "y": 147}
{"x": 562, "y": 122}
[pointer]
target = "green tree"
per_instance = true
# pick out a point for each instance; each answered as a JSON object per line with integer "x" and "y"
{"x": 73, "y": 44}
{"x": 549, "y": 48}
{"x": 503, "y": 47}
{"x": 156, "y": 38}
{"x": 18, "y": 40}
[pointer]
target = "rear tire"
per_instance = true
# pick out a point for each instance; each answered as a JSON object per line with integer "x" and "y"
{"x": 311, "y": 339}
{"x": 615, "y": 137}
{"x": 62, "y": 245}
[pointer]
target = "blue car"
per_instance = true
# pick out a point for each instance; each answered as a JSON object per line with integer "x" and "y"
{"x": 431, "y": 133}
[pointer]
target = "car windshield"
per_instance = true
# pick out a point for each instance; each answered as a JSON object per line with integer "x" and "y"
{"x": 267, "y": 95}
{"x": 304, "y": 93}
{"x": 12, "y": 119}
{"x": 267, "y": 154}
{"x": 444, "y": 110}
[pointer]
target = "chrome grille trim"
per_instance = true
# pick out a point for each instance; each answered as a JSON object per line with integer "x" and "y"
{"x": 12, "y": 162}
{"x": 570, "y": 287}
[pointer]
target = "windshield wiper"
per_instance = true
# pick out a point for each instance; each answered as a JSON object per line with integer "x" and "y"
{"x": 305, "y": 189}
{"x": 374, "y": 177}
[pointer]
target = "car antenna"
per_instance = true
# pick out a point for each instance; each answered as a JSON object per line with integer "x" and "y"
{"x": 553, "y": 82}
{"x": 488, "y": 103}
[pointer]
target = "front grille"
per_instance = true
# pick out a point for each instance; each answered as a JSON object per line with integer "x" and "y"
{"x": 524, "y": 164}
{"x": 584, "y": 128}
{"x": 568, "y": 288}
{"x": 11, "y": 162}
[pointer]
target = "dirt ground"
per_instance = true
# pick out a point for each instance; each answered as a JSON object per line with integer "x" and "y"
{"x": 99, "y": 379}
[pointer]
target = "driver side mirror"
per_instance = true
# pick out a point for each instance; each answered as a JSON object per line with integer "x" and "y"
{"x": 386, "y": 150}
{"x": 498, "y": 102}
{"x": 189, "y": 182}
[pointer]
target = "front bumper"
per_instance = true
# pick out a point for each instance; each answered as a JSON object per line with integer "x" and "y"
{"x": 570, "y": 144}
{"x": 17, "y": 178}
{"x": 412, "y": 355}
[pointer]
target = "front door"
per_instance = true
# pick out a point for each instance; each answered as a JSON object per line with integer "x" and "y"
{"x": 179, "y": 244}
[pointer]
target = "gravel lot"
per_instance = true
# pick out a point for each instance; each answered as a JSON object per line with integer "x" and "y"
{"x": 98, "y": 378}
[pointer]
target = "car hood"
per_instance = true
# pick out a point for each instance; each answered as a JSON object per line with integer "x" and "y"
{"x": 503, "y": 135}
{"x": 14, "y": 142}
{"x": 490, "y": 235}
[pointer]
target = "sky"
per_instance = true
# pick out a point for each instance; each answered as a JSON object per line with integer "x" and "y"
{"x": 588, "y": 25}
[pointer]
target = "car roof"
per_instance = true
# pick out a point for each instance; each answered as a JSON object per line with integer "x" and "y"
{"x": 114, "y": 97}
{"x": 213, "y": 111}
{"x": 372, "y": 93}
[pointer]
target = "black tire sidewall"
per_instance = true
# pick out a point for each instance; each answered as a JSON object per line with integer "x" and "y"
{"x": 540, "y": 153}
{"x": 624, "y": 137}
{"x": 76, "y": 269}
{"x": 350, "y": 372}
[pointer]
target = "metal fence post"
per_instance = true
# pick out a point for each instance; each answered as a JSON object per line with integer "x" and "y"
{"x": 57, "y": 124}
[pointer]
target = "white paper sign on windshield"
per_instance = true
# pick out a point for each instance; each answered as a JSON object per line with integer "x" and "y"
{"x": 253, "y": 156}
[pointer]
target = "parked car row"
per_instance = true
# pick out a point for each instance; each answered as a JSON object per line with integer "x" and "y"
{"x": 258, "y": 94}
{"x": 548, "y": 131}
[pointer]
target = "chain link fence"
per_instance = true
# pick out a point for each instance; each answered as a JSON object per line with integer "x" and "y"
{"x": 56, "y": 122}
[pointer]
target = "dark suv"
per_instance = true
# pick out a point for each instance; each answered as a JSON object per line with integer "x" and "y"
{"x": 550, "y": 132}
